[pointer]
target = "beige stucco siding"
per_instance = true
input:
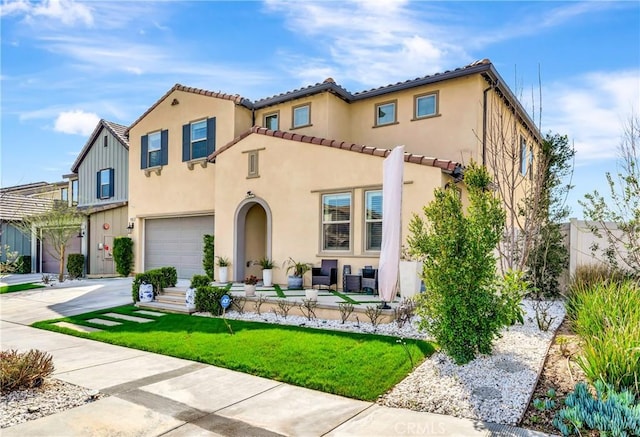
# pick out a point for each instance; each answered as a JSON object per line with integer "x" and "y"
{"x": 101, "y": 258}
{"x": 293, "y": 176}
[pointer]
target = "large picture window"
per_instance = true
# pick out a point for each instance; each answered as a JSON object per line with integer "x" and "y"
{"x": 373, "y": 220}
{"x": 336, "y": 221}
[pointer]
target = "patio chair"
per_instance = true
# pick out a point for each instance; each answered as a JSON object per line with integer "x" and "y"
{"x": 350, "y": 282}
{"x": 326, "y": 274}
{"x": 370, "y": 279}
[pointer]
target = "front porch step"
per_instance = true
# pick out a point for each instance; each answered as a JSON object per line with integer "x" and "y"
{"x": 170, "y": 298}
{"x": 167, "y": 307}
{"x": 174, "y": 291}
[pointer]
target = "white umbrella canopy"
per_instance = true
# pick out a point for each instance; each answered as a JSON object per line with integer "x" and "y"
{"x": 392, "y": 180}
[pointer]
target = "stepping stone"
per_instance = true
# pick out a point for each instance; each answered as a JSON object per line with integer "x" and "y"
{"x": 150, "y": 313}
{"x": 75, "y": 327}
{"x": 486, "y": 392}
{"x": 128, "y": 318}
{"x": 510, "y": 366}
{"x": 104, "y": 322}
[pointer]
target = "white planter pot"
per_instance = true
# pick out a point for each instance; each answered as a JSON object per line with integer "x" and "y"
{"x": 249, "y": 290}
{"x": 223, "y": 272}
{"x": 190, "y": 298}
{"x": 311, "y": 294}
{"x": 267, "y": 277}
{"x": 145, "y": 292}
{"x": 410, "y": 278}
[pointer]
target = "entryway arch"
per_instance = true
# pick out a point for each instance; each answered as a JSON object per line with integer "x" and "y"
{"x": 251, "y": 235}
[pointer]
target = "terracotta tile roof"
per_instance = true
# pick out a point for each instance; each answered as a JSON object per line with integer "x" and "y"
{"x": 235, "y": 98}
{"x": 15, "y": 207}
{"x": 117, "y": 130}
{"x": 448, "y": 166}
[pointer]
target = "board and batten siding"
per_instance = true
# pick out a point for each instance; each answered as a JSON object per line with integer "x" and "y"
{"x": 15, "y": 239}
{"x": 99, "y": 157}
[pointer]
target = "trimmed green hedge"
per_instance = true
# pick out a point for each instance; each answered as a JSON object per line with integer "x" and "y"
{"x": 23, "y": 264}
{"x": 123, "y": 255}
{"x": 208, "y": 299}
{"x": 75, "y": 265}
{"x": 200, "y": 281}
{"x": 159, "y": 278}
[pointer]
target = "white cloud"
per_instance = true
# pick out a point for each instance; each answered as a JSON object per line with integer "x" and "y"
{"x": 591, "y": 109}
{"x": 67, "y": 12}
{"x": 76, "y": 122}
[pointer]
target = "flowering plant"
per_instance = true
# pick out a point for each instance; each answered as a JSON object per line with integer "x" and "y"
{"x": 251, "y": 280}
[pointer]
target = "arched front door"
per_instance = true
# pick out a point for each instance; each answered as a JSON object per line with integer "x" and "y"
{"x": 252, "y": 237}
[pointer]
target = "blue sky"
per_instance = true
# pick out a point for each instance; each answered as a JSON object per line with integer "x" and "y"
{"x": 66, "y": 64}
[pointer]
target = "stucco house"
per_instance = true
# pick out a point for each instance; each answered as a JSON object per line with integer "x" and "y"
{"x": 299, "y": 174}
{"x": 99, "y": 187}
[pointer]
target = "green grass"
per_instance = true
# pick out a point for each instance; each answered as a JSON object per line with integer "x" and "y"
{"x": 279, "y": 291}
{"x": 361, "y": 366}
{"x": 344, "y": 297}
{"x": 19, "y": 287}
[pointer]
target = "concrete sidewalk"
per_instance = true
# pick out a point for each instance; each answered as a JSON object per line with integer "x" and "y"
{"x": 156, "y": 395}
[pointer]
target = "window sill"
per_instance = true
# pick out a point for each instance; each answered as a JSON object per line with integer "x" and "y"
{"x": 426, "y": 117}
{"x": 386, "y": 124}
{"x": 157, "y": 170}
{"x": 253, "y": 176}
{"x": 202, "y": 161}
{"x": 300, "y": 127}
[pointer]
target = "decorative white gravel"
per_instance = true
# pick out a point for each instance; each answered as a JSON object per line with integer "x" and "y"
{"x": 54, "y": 396}
{"x": 492, "y": 388}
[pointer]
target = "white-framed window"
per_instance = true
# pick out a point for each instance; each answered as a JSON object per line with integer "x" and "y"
{"x": 426, "y": 105}
{"x": 74, "y": 192}
{"x": 373, "y": 220}
{"x": 385, "y": 113}
{"x": 198, "y": 139}
{"x": 301, "y": 115}
{"x": 336, "y": 221}
{"x": 154, "y": 150}
{"x": 271, "y": 121}
{"x": 524, "y": 156}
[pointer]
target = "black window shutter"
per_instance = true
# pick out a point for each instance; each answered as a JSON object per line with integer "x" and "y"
{"x": 164, "y": 147}
{"x": 98, "y": 185}
{"x": 186, "y": 142}
{"x": 144, "y": 151}
{"x": 112, "y": 182}
{"x": 211, "y": 135}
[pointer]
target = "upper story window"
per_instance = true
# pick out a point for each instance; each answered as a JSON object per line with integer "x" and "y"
{"x": 301, "y": 116}
{"x": 198, "y": 139}
{"x": 74, "y": 192}
{"x": 105, "y": 183}
{"x": 524, "y": 161}
{"x": 154, "y": 149}
{"x": 531, "y": 162}
{"x": 105, "y": 141}
{"x": 271, "y": 121}
{"x": 373, "y": 219}
{"x": 64, "y": 194}
{"x": 336, "y": 221}
{"x": 426, "y": 105}
{"x": 386, "y": 113}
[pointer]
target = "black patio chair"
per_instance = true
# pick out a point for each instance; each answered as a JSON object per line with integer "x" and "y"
{"x": 370, "y": 279}
{"x": 326, "y": 274}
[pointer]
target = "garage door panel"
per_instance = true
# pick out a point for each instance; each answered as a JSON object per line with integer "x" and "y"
{"x": 177, "y": 242}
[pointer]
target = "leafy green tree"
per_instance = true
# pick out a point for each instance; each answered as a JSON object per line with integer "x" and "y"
{"x": 619, "y": 217}
{"x": 460, "y": 307}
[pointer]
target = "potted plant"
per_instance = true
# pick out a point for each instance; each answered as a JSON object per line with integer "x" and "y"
{"x": 295, "y": 281}
{"x": 250, "y": 285}
{"x": 267, "y": 270}
{"x": 223, "y": 269}
{"x": 410, "y": 275}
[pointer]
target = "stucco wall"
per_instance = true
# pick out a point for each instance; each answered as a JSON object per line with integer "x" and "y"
{"x": 293, "y": 176}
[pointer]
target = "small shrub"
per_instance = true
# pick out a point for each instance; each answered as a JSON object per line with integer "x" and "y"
{"x": 346, "y": 308}
{"x": 511, "y": 288}
{"x": 257, "y": 305}
{"x": 20, "y": 371}
{"x": 23, "y": 264}
{"x": 590, "y": 275}
{"x": 543, "y": 318}
{"x": 199, "y": 281}
{"x": 284, "y": 306}
{"x": 308, "y": 308}
{"x": 75, "y": 265}
{"x": 610, "y": 412}
{"x": 123, "y": 255}
{"x": 208, "y": 256}
{"x": 374, "y": 314}
{"x": 238, "y": 303}
{"x": 208, "y": 299}
{"x": 404, "y": 312}
{"x": 160, "y": 279}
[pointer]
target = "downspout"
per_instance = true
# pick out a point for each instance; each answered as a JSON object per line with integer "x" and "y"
{"x": 484, "y": 121}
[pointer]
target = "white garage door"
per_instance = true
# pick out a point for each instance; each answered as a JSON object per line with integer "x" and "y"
{"x": 176, "y": 242}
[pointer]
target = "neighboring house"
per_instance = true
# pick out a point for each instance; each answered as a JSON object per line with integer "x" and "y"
{"x": 300, "y": 174}
{"x": 20, "y": 201}
{"x": 99, "y": 187}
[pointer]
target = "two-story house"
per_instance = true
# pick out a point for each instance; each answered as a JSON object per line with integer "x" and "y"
{"x": 99, "y": 187}
{"x": 300, "y": 174}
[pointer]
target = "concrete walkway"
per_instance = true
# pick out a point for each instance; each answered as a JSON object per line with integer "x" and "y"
{"x": 156, "y": 395}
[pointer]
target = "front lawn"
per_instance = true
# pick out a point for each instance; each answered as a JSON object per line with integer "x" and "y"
{"x": 361, "y": 366}
{"x": 19, "y": 287}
